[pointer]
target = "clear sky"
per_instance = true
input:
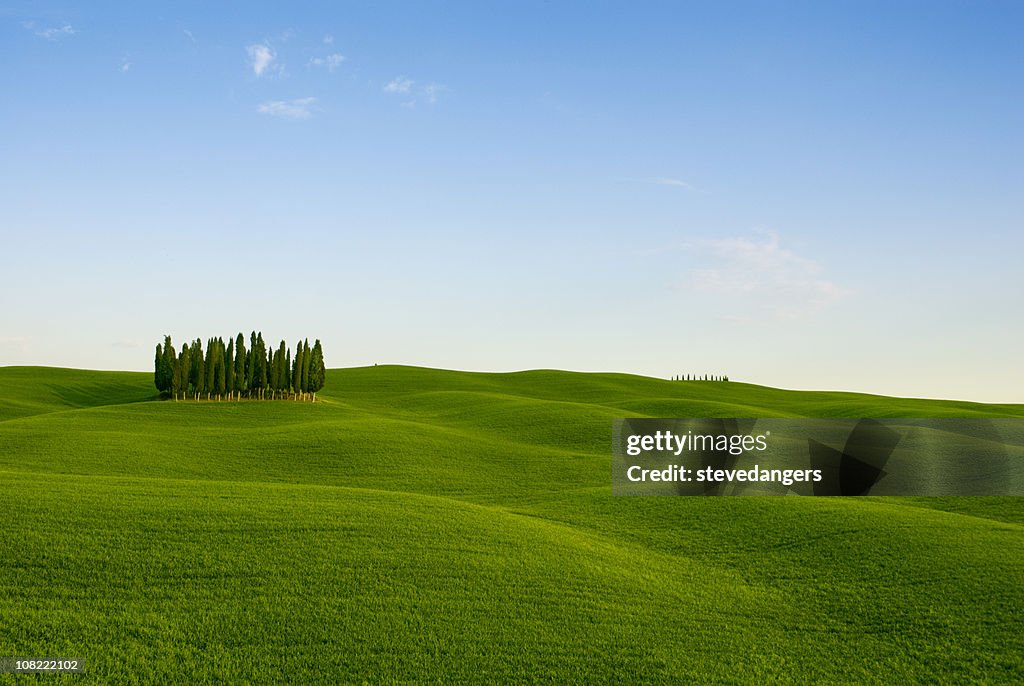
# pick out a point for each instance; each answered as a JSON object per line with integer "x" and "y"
{"x": 799, "y": 194}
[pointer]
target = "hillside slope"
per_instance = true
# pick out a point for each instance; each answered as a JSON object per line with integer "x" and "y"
{"x": 423, "y": 524}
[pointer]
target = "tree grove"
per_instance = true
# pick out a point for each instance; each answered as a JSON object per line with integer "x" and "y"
{"x": 231, "y": 372}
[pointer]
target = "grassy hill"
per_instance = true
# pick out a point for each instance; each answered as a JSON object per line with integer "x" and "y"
{"x": 428, "y": 525}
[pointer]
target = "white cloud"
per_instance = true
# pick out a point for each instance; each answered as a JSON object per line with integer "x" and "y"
{"x": 125, "y": 66}
{"x": 188, "y": 34}
{"x": 677, "y": 183}
{"x": 261, "y": 56}
{"x": 399, "y": 84}
{"x": 763, "y": 277}
{"x": 427, "y": 93}
{"x": 328, "y": 39}
{"x": 52, "y": 32}
{"x": 300, "y": 108}
{"x": 332, "y": 61}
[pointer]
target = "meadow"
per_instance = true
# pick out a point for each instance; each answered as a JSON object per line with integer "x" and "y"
{"x": 422, "y": 525}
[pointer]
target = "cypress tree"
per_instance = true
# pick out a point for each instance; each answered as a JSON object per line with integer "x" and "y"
{"x": 189, "y": 375}
{"x": 250, "y": 366}
{"x": 169, "y": 358}
{"x": 184, "y": 366}
{"x": 260, "y": 375}
{"x": 163, "y": 366}
{"x": 271, "y": 365}
{"x": 240, "y": 364}
{"x": 254, "y": 364}
{"x": 317, "y": 372}
{"x": 229, "y": 369}
{"x": 157, "y": 371}
{"x": 307, "y": 358}
{"x": 198, "y": 369}
{"x": 272, "y": 369}
{"x": 297, "y": 370}
{"x": 220, "y": 379}
{"x": 176, "y": 377}
{"x": 281, "y": 368}
{"x": 287, "y": 372}
{"x": 211, "y": 366}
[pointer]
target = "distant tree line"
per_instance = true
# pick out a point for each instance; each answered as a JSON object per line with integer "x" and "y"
{"x": 700, "y": 377}
{"x": 233, "y": 372}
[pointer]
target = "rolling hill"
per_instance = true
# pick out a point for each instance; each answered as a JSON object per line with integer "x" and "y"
{"x": 429, "y": 525}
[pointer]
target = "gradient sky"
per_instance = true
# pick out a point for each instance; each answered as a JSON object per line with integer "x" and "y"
{"x": 804, "y": 194}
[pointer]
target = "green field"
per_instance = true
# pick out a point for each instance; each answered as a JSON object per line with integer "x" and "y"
{"x": 424, "y": 525}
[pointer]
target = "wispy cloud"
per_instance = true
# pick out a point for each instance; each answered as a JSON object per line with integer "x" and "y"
{"x": 328, "y": 39}
{"x": 50, "y": 32}
{"x": 761, "y": 276}
{"x": 189, "y": 35}
{"x": 431, "y": 91}
{"x": 261, "y": 56}
{"x": 677, "y": 183}
{"x": 332, "y": 61}
{"x": 300, "y": 108}
{"x": 404, "y": 86}
{"x": 125, "y": 66}
{"x": 399, "y": 84}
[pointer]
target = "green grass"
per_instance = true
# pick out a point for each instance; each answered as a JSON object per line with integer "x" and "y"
{"x": 426, "y": 525}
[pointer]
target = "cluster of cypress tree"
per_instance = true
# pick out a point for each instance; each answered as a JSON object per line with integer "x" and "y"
{"x": 233, "y": 372}
{"x": 698, "y": 377}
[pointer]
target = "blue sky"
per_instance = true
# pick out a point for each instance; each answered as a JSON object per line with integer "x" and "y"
{"x": 805, "y": 194}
